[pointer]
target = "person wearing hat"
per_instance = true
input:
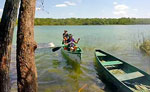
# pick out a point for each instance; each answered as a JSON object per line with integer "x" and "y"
{"x": 65, "y": 33}
{"x": 65, "y": 37}
{"x": 72, "y": 42}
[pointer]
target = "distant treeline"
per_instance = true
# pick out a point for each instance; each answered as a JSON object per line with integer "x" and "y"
{"x": 92, "y": 21}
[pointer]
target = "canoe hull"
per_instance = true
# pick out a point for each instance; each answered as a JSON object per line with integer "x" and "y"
{"x": 71, "y": 56}
{"x": 108, "y": 77}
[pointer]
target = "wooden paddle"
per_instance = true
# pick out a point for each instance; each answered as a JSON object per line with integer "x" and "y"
{"x": 56, "y": 48}
{"x": 82, "y": 87}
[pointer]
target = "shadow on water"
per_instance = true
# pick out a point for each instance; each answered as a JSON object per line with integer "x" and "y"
{"x": 109, "y": 87}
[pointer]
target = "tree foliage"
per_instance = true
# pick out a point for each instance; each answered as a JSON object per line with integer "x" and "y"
{"x": 91, "y": 21}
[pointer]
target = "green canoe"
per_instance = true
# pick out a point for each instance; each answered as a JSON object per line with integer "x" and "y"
{"x": 125, "y": 77}
{"x": 72, "y": 56}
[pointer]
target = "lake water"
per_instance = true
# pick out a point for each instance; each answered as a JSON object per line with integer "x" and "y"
{"x": 56, "y": 75}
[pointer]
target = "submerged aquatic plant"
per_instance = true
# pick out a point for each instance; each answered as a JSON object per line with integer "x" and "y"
{"x": 145, "y": 46}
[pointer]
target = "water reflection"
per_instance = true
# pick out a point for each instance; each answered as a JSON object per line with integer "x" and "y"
{"x": 72, "y": 66}
{"x": 74, "y": 71}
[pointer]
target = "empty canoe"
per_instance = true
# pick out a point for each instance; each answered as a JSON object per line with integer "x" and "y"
{"x": 125, "y": 77}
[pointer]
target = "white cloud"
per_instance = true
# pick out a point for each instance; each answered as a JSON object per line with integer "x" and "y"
{"x": 66, "y": 4}
{"x": 121, "y": 7}
{"x": 120, "y": 13}
{"x": 115, "y": 3}
{"x": 38, "y": 9}
{"x": 121, "y": 10}
{"x": 1, "y": 10}
{"x": 61, "y": 5}
{"x": 70, "y": 3}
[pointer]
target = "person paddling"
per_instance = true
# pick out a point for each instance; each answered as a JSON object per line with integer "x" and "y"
{"x": 72, "y": 42}
{"x": 65, "y": 37}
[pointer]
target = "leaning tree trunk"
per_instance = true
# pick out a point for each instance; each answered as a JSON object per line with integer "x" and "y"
{"x": 26, "y": 69}
{"x": 7, "y": 25}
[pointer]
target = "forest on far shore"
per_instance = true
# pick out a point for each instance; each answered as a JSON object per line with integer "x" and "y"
{"x": 92, "y": 21}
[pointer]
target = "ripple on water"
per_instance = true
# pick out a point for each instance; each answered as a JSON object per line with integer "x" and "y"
{"x": 55, "y": 74}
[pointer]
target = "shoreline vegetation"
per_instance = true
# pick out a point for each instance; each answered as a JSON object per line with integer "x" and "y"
{"x": 92, "y": 21}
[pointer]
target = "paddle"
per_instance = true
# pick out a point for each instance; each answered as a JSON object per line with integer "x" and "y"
{"x": 56, "y": 48}
{"x": 51, "y": 45}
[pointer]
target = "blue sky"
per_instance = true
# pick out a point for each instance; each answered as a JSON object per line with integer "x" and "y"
{"x": 91, "y": 8}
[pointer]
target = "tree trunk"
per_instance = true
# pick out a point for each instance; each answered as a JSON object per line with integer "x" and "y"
{"x": 26, "y": 69}
{"x": 7, "y": 25}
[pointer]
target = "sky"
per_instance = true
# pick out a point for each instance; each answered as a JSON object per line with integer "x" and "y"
{"x": 90, "y": 8}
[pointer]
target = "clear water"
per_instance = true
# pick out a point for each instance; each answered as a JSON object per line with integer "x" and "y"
{"x": 55, "y": 74}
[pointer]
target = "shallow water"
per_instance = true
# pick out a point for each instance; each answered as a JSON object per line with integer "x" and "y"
{"x": 55, "y": 74}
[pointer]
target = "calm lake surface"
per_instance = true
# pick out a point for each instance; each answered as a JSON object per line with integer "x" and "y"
{"x": 56, "y": 75}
